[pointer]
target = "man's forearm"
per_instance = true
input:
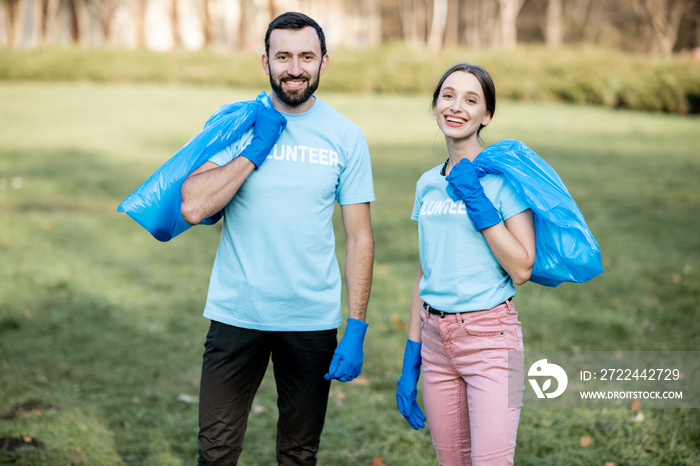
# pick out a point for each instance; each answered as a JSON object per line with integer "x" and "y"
{"x": 209, "y": 188}
{"x": 359, "y": 262}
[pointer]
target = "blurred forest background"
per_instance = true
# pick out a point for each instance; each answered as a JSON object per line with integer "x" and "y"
{"x": 629, "y": 54}
{"x": 658, "y": 27}
{"x": 100, "y": 325}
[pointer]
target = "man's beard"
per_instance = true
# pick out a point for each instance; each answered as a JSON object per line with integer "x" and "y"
{"x": 294, "y": 98}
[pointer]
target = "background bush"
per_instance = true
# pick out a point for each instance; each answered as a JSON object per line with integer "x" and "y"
{"x": 582, "y": 75}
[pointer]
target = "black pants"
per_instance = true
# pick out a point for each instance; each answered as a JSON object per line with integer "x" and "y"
{"x": 234, "y": 363}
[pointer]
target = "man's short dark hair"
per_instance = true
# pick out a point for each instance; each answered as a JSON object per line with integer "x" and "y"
{"x": 294, "y": 21}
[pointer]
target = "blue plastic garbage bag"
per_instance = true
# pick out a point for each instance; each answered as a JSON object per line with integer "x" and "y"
{"x": 155, "y": 205}
{"x": 566, "y": 250}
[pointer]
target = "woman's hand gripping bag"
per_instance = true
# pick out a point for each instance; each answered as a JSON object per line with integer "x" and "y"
{"x": 155, "y": 205}
{"x": 566, "y": 250}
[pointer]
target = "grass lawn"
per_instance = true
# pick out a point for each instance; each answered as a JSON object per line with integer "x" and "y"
{"x": 101, "y": 332}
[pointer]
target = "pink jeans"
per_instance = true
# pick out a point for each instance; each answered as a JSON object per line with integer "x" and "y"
{"x": 472, "y": 413}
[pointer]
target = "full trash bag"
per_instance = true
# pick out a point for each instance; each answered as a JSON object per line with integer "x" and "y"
{"x": 566, "y": 250}
{"x": 155, "y": 205}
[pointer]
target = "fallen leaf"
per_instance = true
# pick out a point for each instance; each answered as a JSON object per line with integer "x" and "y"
{"x": 361, "y": 380}
{"x": 338, "y": 396}
{"x": 585, "y": 442}
{"x": 184, "y": 397}
{"x": 396, "y": 320}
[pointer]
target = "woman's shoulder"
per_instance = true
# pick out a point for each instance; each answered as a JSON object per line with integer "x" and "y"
{"x": 432, "y": 173}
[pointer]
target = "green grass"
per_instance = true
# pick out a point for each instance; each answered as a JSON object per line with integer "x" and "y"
{"x": 101, "y": 329}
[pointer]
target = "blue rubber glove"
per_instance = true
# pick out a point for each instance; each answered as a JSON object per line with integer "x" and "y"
{"x": 463, "y": 183}
{"x": 406, "y": 388}
{"x": 269, "y": 123}
{"x": 347, "y": 359}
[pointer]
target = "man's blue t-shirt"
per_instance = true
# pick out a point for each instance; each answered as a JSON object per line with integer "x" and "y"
{"x": 460, "y": 273}
{"x": 276, "y": 269}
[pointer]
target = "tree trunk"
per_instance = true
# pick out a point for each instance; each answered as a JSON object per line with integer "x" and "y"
{"x": 594, "y": 18}
{"x": 437, "y": 27}
{"x": 175, "y": 23}
{"x": 509, "y": 16}
{"x": 50, "y": 20}
{"x": 452, "y": 26}
{"x": 141, "y": 24}
{"x": 79, "y": 25}
{"x": 207, "y": 24}
{"x": 554, "y": 24}
{"x": 665, "y": 18}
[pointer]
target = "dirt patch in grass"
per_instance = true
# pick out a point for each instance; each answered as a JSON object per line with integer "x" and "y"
{"x": 26, "y": 407}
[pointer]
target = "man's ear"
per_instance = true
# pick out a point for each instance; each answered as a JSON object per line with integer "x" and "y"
{"x": 265, "y": 64}
{"x": 324, "y": 64}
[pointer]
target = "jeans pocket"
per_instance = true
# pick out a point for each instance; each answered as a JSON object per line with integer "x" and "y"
{"x": 483, "y": 328}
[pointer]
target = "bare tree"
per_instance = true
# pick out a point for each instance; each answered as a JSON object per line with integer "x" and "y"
{"x": 437, "y": 27}
{"x": 553, "y": 28}
{"x": 413, "y": 21}
{"x": 141, "y": 24}
{"x": 207, "y": 25}
{"x": 50, "y": 20}
{"x": 509, "y": 10}
{"x": 175, "y": 21}
{"x": 12, "y": 9}
{"x": 665, "y": 18}
{"x": 103, "y": 10}
{"x": 480, "y": 23}
{"x": 453, "y": 23}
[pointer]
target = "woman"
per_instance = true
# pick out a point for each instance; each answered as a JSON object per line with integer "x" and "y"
{"x": 477, "y": 240}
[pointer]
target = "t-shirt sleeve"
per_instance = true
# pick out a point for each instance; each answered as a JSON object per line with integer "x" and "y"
{"x": 417, "y": 203}
{"x": 355, "y": 184}
{"x": 508, "y": 203}
{"x": 230, "y": 152}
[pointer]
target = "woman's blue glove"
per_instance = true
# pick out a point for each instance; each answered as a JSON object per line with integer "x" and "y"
{"x": 406, "y": 389}
{"x": 347, "y": 359}
{"x": 268, "y": 125}
{"x": 463, "y": 183}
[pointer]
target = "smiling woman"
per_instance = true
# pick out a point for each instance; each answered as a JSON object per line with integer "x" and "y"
{"x": 470, "y": 260}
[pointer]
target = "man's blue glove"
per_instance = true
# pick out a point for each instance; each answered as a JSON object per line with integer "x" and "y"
{"x": 347, "y": 359}
{"x": 406, "y": 388}
{"x": 269, "y": 123}
{"x": 463, "y": 183}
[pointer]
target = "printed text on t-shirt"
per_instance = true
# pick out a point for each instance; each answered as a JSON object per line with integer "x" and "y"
{"x": 304, "y": 154}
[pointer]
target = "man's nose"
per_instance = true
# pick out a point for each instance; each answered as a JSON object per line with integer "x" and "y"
{"x": 295, "y": 68}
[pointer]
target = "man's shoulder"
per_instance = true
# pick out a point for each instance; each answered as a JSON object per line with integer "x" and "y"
{"x": 330, "y": 114}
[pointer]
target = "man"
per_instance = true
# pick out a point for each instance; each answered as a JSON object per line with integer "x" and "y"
{"x": 275, "y": 285}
